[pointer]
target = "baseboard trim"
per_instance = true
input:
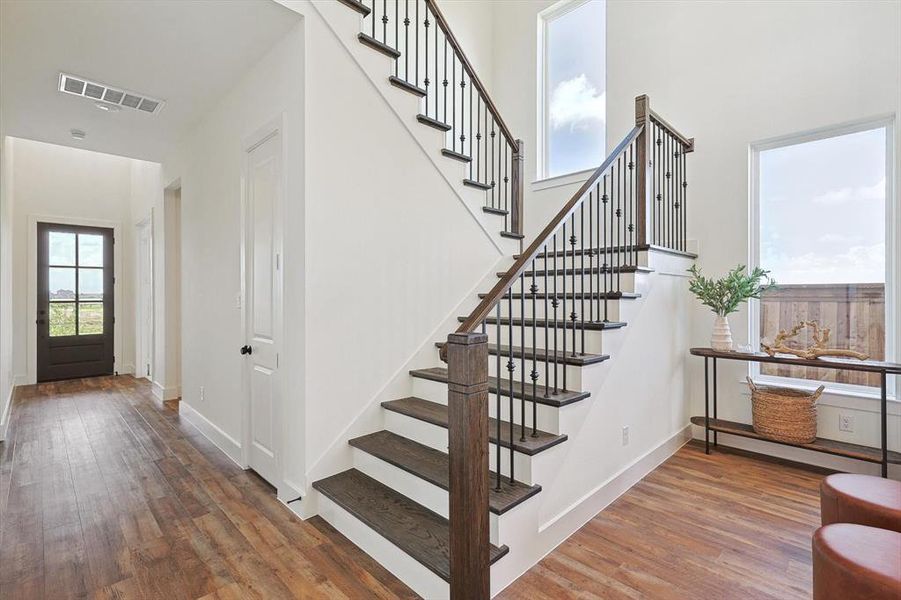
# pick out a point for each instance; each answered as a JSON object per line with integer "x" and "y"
{"x": 161, "y": 394}
{"x": 227, "y": 444}
{"x": 7, "y": 413}
{"x": 625, "y": 478}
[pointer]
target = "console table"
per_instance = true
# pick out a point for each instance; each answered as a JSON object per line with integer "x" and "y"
{"x": 875, "y": 455}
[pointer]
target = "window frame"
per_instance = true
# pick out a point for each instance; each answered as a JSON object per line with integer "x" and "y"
{"x": 542, "y": 179}
{"x": 892, "y": 245}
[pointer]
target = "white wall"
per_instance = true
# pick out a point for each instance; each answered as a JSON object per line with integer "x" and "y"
{"x": 728, "y": 74}
{"x": 69, "y": 185}
{"x": 6, "y": 322}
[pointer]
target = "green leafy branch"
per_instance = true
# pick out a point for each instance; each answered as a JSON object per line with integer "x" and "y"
{"x": 723, "y": 296}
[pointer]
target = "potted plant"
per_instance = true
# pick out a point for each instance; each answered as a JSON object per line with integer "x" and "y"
{"x": 723, "y": 296}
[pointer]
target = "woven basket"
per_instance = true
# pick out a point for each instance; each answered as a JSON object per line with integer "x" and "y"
{"x": 785, "y": 414}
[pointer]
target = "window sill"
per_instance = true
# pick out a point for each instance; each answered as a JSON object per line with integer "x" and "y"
{"x": 561, "y": 180}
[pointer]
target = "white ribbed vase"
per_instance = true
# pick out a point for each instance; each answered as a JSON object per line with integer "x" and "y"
{"x": 722, "y": 336}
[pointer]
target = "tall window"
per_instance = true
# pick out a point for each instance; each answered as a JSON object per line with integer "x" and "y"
{"x": 822, "y": 222}
{"x": 572, "y": 87}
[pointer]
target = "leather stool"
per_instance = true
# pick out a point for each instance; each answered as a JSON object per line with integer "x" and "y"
{"x": 852, "y": 562}
{"x": 861, "y": 499}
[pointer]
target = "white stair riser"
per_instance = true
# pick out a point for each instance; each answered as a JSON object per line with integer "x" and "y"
{"x": 594, "y": 340}
{"x": 548, "y": 417}
{"x": 617, "y": 282}
{"x": 402, "y": 565}
{"x": 419, "y": 490}
{"x": 436, "y": 437}
{"x": 593, "y": 311}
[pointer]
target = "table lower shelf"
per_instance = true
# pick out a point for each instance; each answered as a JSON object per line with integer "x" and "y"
{"x": 835, "y": 447}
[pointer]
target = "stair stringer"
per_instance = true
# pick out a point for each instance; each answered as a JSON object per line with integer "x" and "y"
{"x": 345, "y": 26}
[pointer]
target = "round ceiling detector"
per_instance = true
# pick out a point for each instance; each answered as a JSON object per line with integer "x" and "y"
{"x": 77, "y": 134}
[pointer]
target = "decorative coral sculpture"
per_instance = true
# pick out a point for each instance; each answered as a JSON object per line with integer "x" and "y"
{"x": 820, "y": 338}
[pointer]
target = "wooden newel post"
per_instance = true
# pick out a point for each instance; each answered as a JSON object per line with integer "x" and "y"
{"x": 517, "y": 189}
{"x": 643, "y": 175}
{"x": 467, "y": 400}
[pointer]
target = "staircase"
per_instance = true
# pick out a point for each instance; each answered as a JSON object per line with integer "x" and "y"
{"x": 458, "y": 467}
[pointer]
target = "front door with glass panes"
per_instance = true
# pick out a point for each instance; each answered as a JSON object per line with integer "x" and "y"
{"x": 75, "y": 301}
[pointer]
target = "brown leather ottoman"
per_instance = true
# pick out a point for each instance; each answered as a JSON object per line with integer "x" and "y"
{"x": 852, "y": 562}
{"x": 861, "y": 499}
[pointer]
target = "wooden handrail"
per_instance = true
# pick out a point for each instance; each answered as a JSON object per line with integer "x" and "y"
{"x": 688, "y": 143}
{"x": 458, "y": 49}
{"x": 483, "y": 310}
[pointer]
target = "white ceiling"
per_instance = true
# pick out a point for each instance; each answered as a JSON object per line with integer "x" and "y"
{"x": 186, "y": 52}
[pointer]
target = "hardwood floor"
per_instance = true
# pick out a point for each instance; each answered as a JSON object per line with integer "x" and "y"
{"x": 104, "y": 495}
{"x": 709, "y": 527}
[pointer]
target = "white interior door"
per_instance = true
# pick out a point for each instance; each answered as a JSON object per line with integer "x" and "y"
{"x": 263, "y": 304}
{"x": 144, "y": 366}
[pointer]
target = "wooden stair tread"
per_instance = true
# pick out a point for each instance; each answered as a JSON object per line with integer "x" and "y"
{"x": 835, "y": 447}
{"x": 476, "y": 184}
{"x": 426, "y": 120}
{"x": 578, "y": 360}
{"x": 407, "y": 86}
{"x": 432, "y": 465}
{"x": 456, "y": 155}
{"x": 561, "y": 398}
{"x": 436, "y": 414}
{"x": 578, "y": 271}
{"x": 357, "y": 6}
{"x": 377, "y": 45}
{"x": 517, "y": 322}
{"x": 597, "y": 295}
{"x": 495, "y": 211}
{"x": 413, "y": 528}
{"x": 512, "y": 236}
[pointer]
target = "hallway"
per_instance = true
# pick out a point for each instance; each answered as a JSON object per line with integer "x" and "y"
{"x": 104, "y": 495}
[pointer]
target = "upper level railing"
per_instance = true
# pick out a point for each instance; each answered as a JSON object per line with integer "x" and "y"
{"x": 430, "y": 62}
{"x": 562, "y": 286}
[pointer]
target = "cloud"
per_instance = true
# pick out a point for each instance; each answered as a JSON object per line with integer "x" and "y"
{"x": 576, "y": 103}
{"x": 849, "y": 194}
{"x": 858, "y": 264}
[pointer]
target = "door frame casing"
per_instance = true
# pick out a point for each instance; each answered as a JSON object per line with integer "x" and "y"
{"x": 140, "y": 359}
{"x": 271, "y": 128}
{"x": 31, "y": 315}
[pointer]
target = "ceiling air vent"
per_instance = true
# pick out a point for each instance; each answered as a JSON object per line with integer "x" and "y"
{"x": 79, "y": 86}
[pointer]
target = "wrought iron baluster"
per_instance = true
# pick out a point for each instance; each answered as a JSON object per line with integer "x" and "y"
{"x": 462, "y": 110}
{"x": 684, "y": 203}
{"x": 444, "y": 82}
{"x": 582, "y": 273}
{"x": 416, "y": 61}
{"x": 563, "y": 324}
{"x": 407, "y": 41}
{"x": 511, "y": 366}
{"x": 547, "y": 347}
{"x": 573, "y": 317}
{"x": 426, "y": 23}
{"x": 497, "y": 412}
{"x": 554, "y": 303}
{"x": 471, "y": 153}
{"x": 534, "y": 374}
{"x": 591, "y": 250}
{"x": 522, "y": 345}
{"x": 605, "y": 200}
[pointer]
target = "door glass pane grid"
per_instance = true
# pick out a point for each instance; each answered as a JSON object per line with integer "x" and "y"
{"x": 76, "y": 282}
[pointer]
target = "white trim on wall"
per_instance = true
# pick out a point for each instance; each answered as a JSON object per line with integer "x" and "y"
{"x": 892, "y": 263}
{"x": 32, "y": 294}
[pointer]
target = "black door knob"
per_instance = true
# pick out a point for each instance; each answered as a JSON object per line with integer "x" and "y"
{"x": 246, "y": 350}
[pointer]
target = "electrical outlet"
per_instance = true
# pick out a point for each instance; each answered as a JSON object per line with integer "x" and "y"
{"x": 626, "y": 436}
{"x": 846, "y": 423}
{"x": 201, "y": 394}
